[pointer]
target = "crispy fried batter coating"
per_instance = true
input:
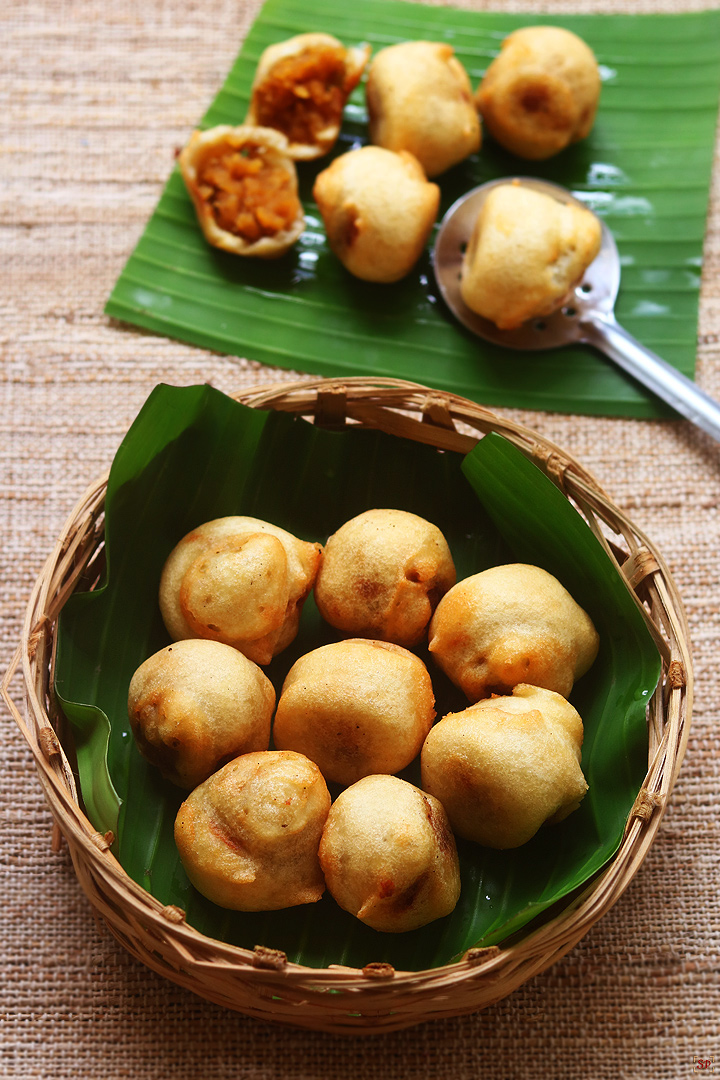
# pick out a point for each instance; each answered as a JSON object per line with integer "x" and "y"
{"x": 541, "y": 93}
{"x": 378, "y": 208}
{"x": 526, "y": 254}
{"x": 356, "y": 707}
{"x": 196, "y": 704}
{"x": 248, "y": 837}
{"x": 382, "y": 575}
{"x": 506, "y": 765}
{"x": 419, "y": 99}
{"x": 241, "y": 581}
{"x": 508, "y": 625}
{"x": 389, "y": 856}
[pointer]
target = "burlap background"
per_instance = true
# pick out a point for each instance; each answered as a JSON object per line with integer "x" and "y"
{"x": 96, "y": 97}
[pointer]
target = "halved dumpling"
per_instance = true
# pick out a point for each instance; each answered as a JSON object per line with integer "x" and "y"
{"x": 244, "y": 186}
{"x": 300, "y": 88}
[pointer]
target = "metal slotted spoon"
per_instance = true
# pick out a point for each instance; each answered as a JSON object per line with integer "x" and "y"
{"x": 588, "y": 316}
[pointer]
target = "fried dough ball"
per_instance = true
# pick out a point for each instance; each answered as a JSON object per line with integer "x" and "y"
{"x": 541, "y": 93}
{"x": 300, "y": 88}
{"x": 378, "y": 208}
{"x": 506, "y": 765}
{"x": 196, "y": 704}
{"x": 248, "y": 837}
{"x": 389, "y": 856}
{"x": 382, "y": 575}
{"x": 356, "y": 707}
{"x": 526, "y": 254}
{"x": 509, "y": 625}
{"x": 238, "y": 580}
{"x": 419, "y": 99}
{"x": 244, "y": 187}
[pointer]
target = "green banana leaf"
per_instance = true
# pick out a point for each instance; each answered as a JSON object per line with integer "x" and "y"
{"x": 645, "y": 169}
{"x": 194, "y": 454}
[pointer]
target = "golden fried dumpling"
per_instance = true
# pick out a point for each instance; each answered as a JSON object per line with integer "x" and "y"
{"x": 196, "y": 704}
{"x": 248, "y": 837}
{"x": 508, "y": 625}
{"x": 541, "y": 92}
{"x": 378, "y": 208}
{"x": 419, "y": 98}
{"x": 506, "y": 765}
{"x": 383, "y": 573}
{"x": 239, "y": 580}
{"x": 300, "y": 88}
{"x": 389, "y": 856}
{"x": 356, "y": 707}
{"x": 526, "y": 254}
{"x": 244, "y": 187}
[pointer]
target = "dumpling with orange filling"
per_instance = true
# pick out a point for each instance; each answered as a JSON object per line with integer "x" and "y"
{"x": 241, "y": 581}
{"x": 244, "y": 187}
{"x": 300, "y": 88}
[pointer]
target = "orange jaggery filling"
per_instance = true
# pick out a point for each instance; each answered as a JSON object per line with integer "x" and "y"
{"x": 248, "y": 195}
{"x": 304, "y": 94}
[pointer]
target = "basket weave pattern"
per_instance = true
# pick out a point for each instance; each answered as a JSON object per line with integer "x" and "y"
{"x": 262, "y": 983}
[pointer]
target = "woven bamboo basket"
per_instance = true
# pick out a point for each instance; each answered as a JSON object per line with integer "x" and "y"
{"x": 262, "y": 982}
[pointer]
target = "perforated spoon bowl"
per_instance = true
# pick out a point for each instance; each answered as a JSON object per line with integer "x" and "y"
{"x": 588, "y": 316}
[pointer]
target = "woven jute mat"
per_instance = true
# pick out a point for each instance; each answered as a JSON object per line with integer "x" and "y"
{"x": 96, "y": 98}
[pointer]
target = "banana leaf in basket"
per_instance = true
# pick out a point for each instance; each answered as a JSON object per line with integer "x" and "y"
{"x": 194, "y": 454}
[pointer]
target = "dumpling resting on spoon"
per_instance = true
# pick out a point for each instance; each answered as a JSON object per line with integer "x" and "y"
{"x": 586, "y": 316}
{"x": 526, "y": 254}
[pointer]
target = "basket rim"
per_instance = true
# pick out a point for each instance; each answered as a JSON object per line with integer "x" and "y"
{"x": 373, "y": 402}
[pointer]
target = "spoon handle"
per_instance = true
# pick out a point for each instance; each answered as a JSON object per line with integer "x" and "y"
{"x": 605, "y": 333}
